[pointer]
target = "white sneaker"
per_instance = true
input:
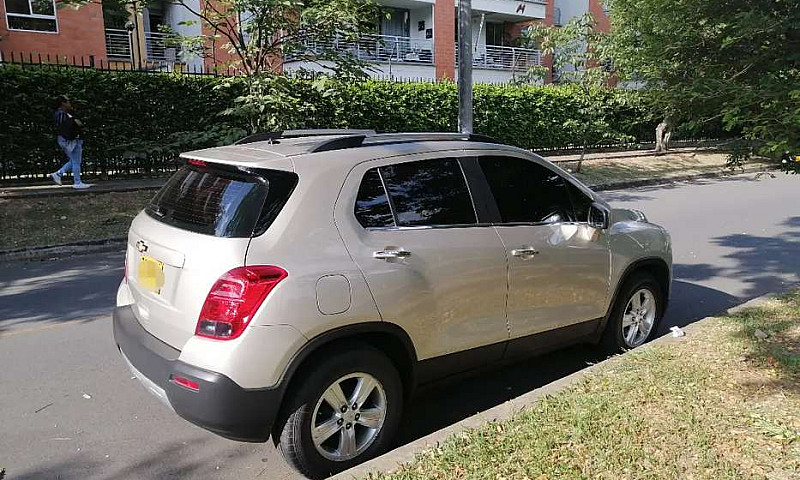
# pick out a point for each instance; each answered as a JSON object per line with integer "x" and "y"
{"x": 81, "y": 186}
{"x": 56, "y": 177}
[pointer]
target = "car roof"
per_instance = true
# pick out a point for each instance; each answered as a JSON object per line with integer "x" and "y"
{"x": 342, "y": 147}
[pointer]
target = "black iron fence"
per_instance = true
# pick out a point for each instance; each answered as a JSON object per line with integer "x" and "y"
{"x": 110, "y": 63}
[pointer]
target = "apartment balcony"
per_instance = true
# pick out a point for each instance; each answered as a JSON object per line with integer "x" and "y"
{"x": 378, "y": 49}
{"x": 119, "y": 46}
{"x": 496, "y": 57}
{"x": 156, "y": 45}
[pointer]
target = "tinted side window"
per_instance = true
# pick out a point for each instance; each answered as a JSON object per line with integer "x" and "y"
{"x": 580, "y": 203}
{"x": 526, "y": 191}
{"x": 429, "y": 192}
{"x": 372, "y": 206}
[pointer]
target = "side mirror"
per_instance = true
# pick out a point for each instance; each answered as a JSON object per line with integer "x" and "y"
{"x": 599, "y": 216}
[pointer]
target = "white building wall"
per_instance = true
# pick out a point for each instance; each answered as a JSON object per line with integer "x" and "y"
{"x": 571, "y": 9}
{"x": 175, "y": 14}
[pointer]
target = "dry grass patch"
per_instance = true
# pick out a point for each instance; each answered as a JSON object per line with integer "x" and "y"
{"x": 29, "y": 222}
{"x": 597, "y": 172}
{"x": 721, "y": 403}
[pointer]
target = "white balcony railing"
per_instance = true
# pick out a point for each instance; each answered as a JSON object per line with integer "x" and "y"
{"x": 378, "y": 48}
{"x": 504, "y": 58}
{"x": 157, "y": 49}
{"x": 118, "y": 44}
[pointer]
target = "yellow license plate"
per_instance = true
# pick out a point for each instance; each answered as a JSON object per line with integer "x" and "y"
{"x": 151, "y": 273}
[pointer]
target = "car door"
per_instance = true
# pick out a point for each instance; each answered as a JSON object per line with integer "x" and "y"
{"x": 432, "y": 268}
{"x": 558, "y": 265}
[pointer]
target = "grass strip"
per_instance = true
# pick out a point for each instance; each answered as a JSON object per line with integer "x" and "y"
{"x": 720, "y": 403}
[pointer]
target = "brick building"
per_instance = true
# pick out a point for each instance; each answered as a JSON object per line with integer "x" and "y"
{"x": 417, "y": 39}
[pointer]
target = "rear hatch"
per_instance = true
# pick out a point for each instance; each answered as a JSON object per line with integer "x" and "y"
{"x": 195, "y": 229}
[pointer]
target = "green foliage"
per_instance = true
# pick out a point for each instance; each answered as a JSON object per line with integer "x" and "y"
{"x": 579, "y": 59}
{"x": 137, "y": 122}
{"x": 734, "y": 60}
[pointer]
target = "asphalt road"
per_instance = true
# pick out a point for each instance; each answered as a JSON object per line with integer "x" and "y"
{"x": 69, "y": 408}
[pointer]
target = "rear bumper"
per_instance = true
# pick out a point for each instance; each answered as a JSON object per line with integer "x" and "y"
{"x": 220, "y": 405}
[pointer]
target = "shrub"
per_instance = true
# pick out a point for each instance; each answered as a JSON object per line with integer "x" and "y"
{"x": 139, "y": 122}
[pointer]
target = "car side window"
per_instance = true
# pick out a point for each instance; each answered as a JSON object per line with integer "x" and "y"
{"x": 527, "y": 192}
{"x": 429, "y": 192}
{"x": 581, "y": 203}
{"x": 372, "y": 205}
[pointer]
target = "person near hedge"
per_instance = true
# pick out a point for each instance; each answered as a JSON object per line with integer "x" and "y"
{"x": 68, "y": 129}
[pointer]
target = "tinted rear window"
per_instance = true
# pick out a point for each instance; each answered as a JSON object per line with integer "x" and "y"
{"x": 221, "y": 203}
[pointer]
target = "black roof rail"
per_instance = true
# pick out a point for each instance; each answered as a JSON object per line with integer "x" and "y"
{"x": 339, "y": 143}
{"x": 477, "y": 137}
{"x": 259, "y": 137}
{"x": 326, "y": 131}
{"x": 355, "y": 138}
{"x": 272, "y": 136}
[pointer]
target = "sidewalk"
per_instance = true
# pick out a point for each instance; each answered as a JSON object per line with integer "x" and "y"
{"x": 53, "y": 190}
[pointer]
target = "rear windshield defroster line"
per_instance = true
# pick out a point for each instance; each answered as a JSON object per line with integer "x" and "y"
{"x": 222, "y": 202}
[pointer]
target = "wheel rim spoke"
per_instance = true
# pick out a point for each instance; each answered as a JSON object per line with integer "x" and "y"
{"x": 637, "y": 300}
{"x": 631, "y": 334}
{"x": 335, "y": 396}
{"x": 320, "y": 433}
{"x": 627, "y": 320}
{"x": 371, "y": 418}
{"x": 347, "y": 442}
{"x": 363, "y": 389}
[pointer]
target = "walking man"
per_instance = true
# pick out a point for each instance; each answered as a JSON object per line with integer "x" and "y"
{"x": 68, "y": 129}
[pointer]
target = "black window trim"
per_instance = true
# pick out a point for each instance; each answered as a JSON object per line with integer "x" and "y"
{"x": 452, "y": 155}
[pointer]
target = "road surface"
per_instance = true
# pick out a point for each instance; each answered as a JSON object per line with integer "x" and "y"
{"x": 69, "y": 408}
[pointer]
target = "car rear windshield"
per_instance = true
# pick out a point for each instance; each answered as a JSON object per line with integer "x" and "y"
{"x": 222, "y": 201}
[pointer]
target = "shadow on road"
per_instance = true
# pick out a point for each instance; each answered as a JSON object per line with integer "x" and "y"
{"x": 78, "y": 288}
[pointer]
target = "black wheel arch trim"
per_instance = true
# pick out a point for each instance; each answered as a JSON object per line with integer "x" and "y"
{"x": 634, "y": 266}
{"x": 355, "y": 332}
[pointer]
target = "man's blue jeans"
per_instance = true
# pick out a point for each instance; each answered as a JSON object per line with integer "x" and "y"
{"x": 74, "y": 151}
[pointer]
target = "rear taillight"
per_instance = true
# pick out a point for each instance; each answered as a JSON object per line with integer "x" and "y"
{"x": 234, "y": 299}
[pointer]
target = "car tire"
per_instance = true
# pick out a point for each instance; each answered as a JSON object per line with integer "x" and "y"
{"x": 354, "y": 440}
{"x": 635, "y": 316}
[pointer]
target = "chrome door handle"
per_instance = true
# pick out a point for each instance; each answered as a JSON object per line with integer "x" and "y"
{"x": 387, "y": 254}
{"x": 524, "y": 252}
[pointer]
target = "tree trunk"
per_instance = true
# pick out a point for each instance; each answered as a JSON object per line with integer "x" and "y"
{"x": 580, "y": 160}
{"x": 663, "y": 134}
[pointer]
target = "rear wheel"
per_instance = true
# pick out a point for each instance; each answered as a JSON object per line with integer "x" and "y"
{"x": 635, "y": 316}
{"x": 346, "y": 410}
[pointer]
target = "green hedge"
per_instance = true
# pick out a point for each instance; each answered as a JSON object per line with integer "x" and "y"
{"x": 138, "y": 122}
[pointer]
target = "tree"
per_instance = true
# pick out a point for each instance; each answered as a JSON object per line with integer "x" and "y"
{"x": 579, "y": 59}
{"x": 731, "y": 61}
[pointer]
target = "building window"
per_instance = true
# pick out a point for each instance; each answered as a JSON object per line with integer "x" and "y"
{"x": 31, "y": 15}
{"x": 496, "y": 34}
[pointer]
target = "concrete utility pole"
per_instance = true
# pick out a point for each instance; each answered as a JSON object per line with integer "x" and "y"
{"x": 465, "y": 66}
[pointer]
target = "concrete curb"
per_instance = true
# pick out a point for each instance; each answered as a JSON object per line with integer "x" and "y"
{"x": 47, "y": 192}
{"x": 390, "y": 461}
{"x": 50, "y": 251}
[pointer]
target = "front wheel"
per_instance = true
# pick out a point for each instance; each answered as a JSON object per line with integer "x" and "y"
{"x": 635, "y": 316}
{"x": 346, "y": 411}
